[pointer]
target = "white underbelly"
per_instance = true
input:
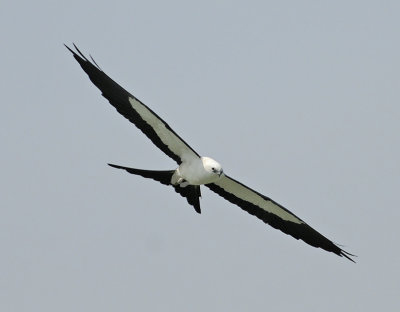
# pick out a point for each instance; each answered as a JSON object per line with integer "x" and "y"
{"x": 195, "y": 174}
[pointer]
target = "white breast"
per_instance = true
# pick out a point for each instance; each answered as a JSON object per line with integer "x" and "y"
{"x": 195, "y": 173}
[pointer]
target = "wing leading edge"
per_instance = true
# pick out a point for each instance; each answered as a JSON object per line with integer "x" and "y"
{"x": 273, "y": 214}
{"x": 156, "y": 129}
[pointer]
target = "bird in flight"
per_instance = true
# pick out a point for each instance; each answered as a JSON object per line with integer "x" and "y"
{"x": 195, "y": 170}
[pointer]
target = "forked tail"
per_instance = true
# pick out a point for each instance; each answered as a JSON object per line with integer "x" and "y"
{"x": 190, "y": 192}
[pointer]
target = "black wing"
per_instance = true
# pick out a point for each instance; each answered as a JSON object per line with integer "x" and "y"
{"x": 273, "y": 214}
{"x": 156, "y": 129}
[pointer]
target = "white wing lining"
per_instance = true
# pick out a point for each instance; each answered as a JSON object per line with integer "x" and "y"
{"x": 244, "y": 193}
{"x": 168, "y": 137}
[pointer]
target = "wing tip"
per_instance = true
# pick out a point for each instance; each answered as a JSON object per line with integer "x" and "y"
{"x": 347, "y": 255}
{"x": 70, "y": 50}
{"x": 81, "y": 58}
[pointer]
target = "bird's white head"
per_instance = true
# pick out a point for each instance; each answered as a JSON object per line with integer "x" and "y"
{"x": 212, "y": 166}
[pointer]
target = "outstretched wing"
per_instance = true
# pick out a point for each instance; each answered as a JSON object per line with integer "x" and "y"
{"x": 273, "y": 214}
{"x": 156, "y": 129}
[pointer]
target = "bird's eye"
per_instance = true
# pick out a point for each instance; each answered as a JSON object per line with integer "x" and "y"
{"x": 213, "y": 169}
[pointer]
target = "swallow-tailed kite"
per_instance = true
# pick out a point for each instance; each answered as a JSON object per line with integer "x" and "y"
{"x": 194, "y": 170}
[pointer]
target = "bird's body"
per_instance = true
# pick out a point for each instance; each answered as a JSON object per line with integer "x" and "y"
{"x": 194, "y": 170}
{"x": 197, "y": 171}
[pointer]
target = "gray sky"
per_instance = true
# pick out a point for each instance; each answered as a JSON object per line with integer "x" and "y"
{"x": 297, "y": 99}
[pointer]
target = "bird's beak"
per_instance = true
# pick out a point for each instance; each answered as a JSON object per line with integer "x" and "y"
{"x": 221, "y": 173}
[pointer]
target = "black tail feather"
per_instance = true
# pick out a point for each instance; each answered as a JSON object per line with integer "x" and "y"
{"x": 162, "y": 176}
{"x": 191, "y": 192}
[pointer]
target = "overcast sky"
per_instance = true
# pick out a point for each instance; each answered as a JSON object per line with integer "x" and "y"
{"x": 297, "y": 99}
